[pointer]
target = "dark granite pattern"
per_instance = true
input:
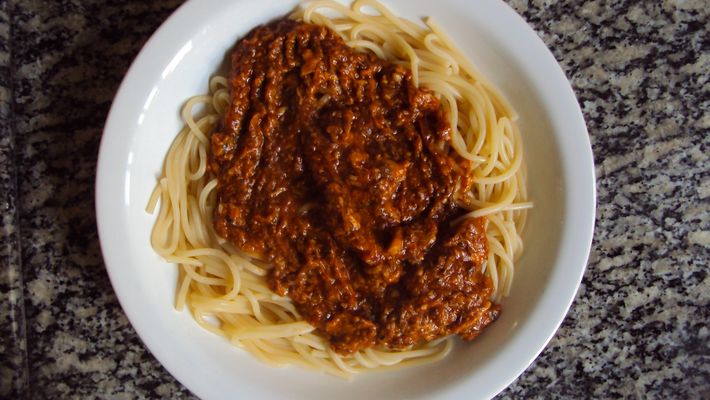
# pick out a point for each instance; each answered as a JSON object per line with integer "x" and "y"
{"x": 13, "y": 346}
{"x": 639, "y": 326}
{"x": 68, "y": 58}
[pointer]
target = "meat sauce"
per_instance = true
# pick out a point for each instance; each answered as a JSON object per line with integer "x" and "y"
{"x": 331, "y": 166}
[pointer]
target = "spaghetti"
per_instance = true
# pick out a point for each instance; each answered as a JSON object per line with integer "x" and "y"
{"x": 226, "y": 289}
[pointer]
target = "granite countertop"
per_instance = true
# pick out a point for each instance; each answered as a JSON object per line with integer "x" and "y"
{"x": 638, "y": 327}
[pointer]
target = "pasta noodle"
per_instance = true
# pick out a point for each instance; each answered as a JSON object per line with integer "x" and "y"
{"x": 226, "y": 289}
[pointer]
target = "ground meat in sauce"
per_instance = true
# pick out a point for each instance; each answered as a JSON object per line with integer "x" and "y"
{"x": 330, "y": 165}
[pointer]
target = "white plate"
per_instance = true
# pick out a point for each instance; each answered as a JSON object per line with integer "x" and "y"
{"x": 177, "y": 62}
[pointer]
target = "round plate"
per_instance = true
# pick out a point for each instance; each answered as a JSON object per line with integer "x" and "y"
{"x": 177, "y": 62}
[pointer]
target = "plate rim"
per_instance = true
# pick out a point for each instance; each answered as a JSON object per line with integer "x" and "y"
{"x": 581, "y": 195}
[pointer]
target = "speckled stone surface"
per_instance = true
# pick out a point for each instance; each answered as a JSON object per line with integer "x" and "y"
{"x": 639, "y": 325}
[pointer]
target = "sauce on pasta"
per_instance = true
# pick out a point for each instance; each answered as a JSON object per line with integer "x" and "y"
{"x": 333, "y": 167}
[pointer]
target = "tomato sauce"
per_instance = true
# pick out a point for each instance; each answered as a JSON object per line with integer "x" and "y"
{"x": 333, "y": 166}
